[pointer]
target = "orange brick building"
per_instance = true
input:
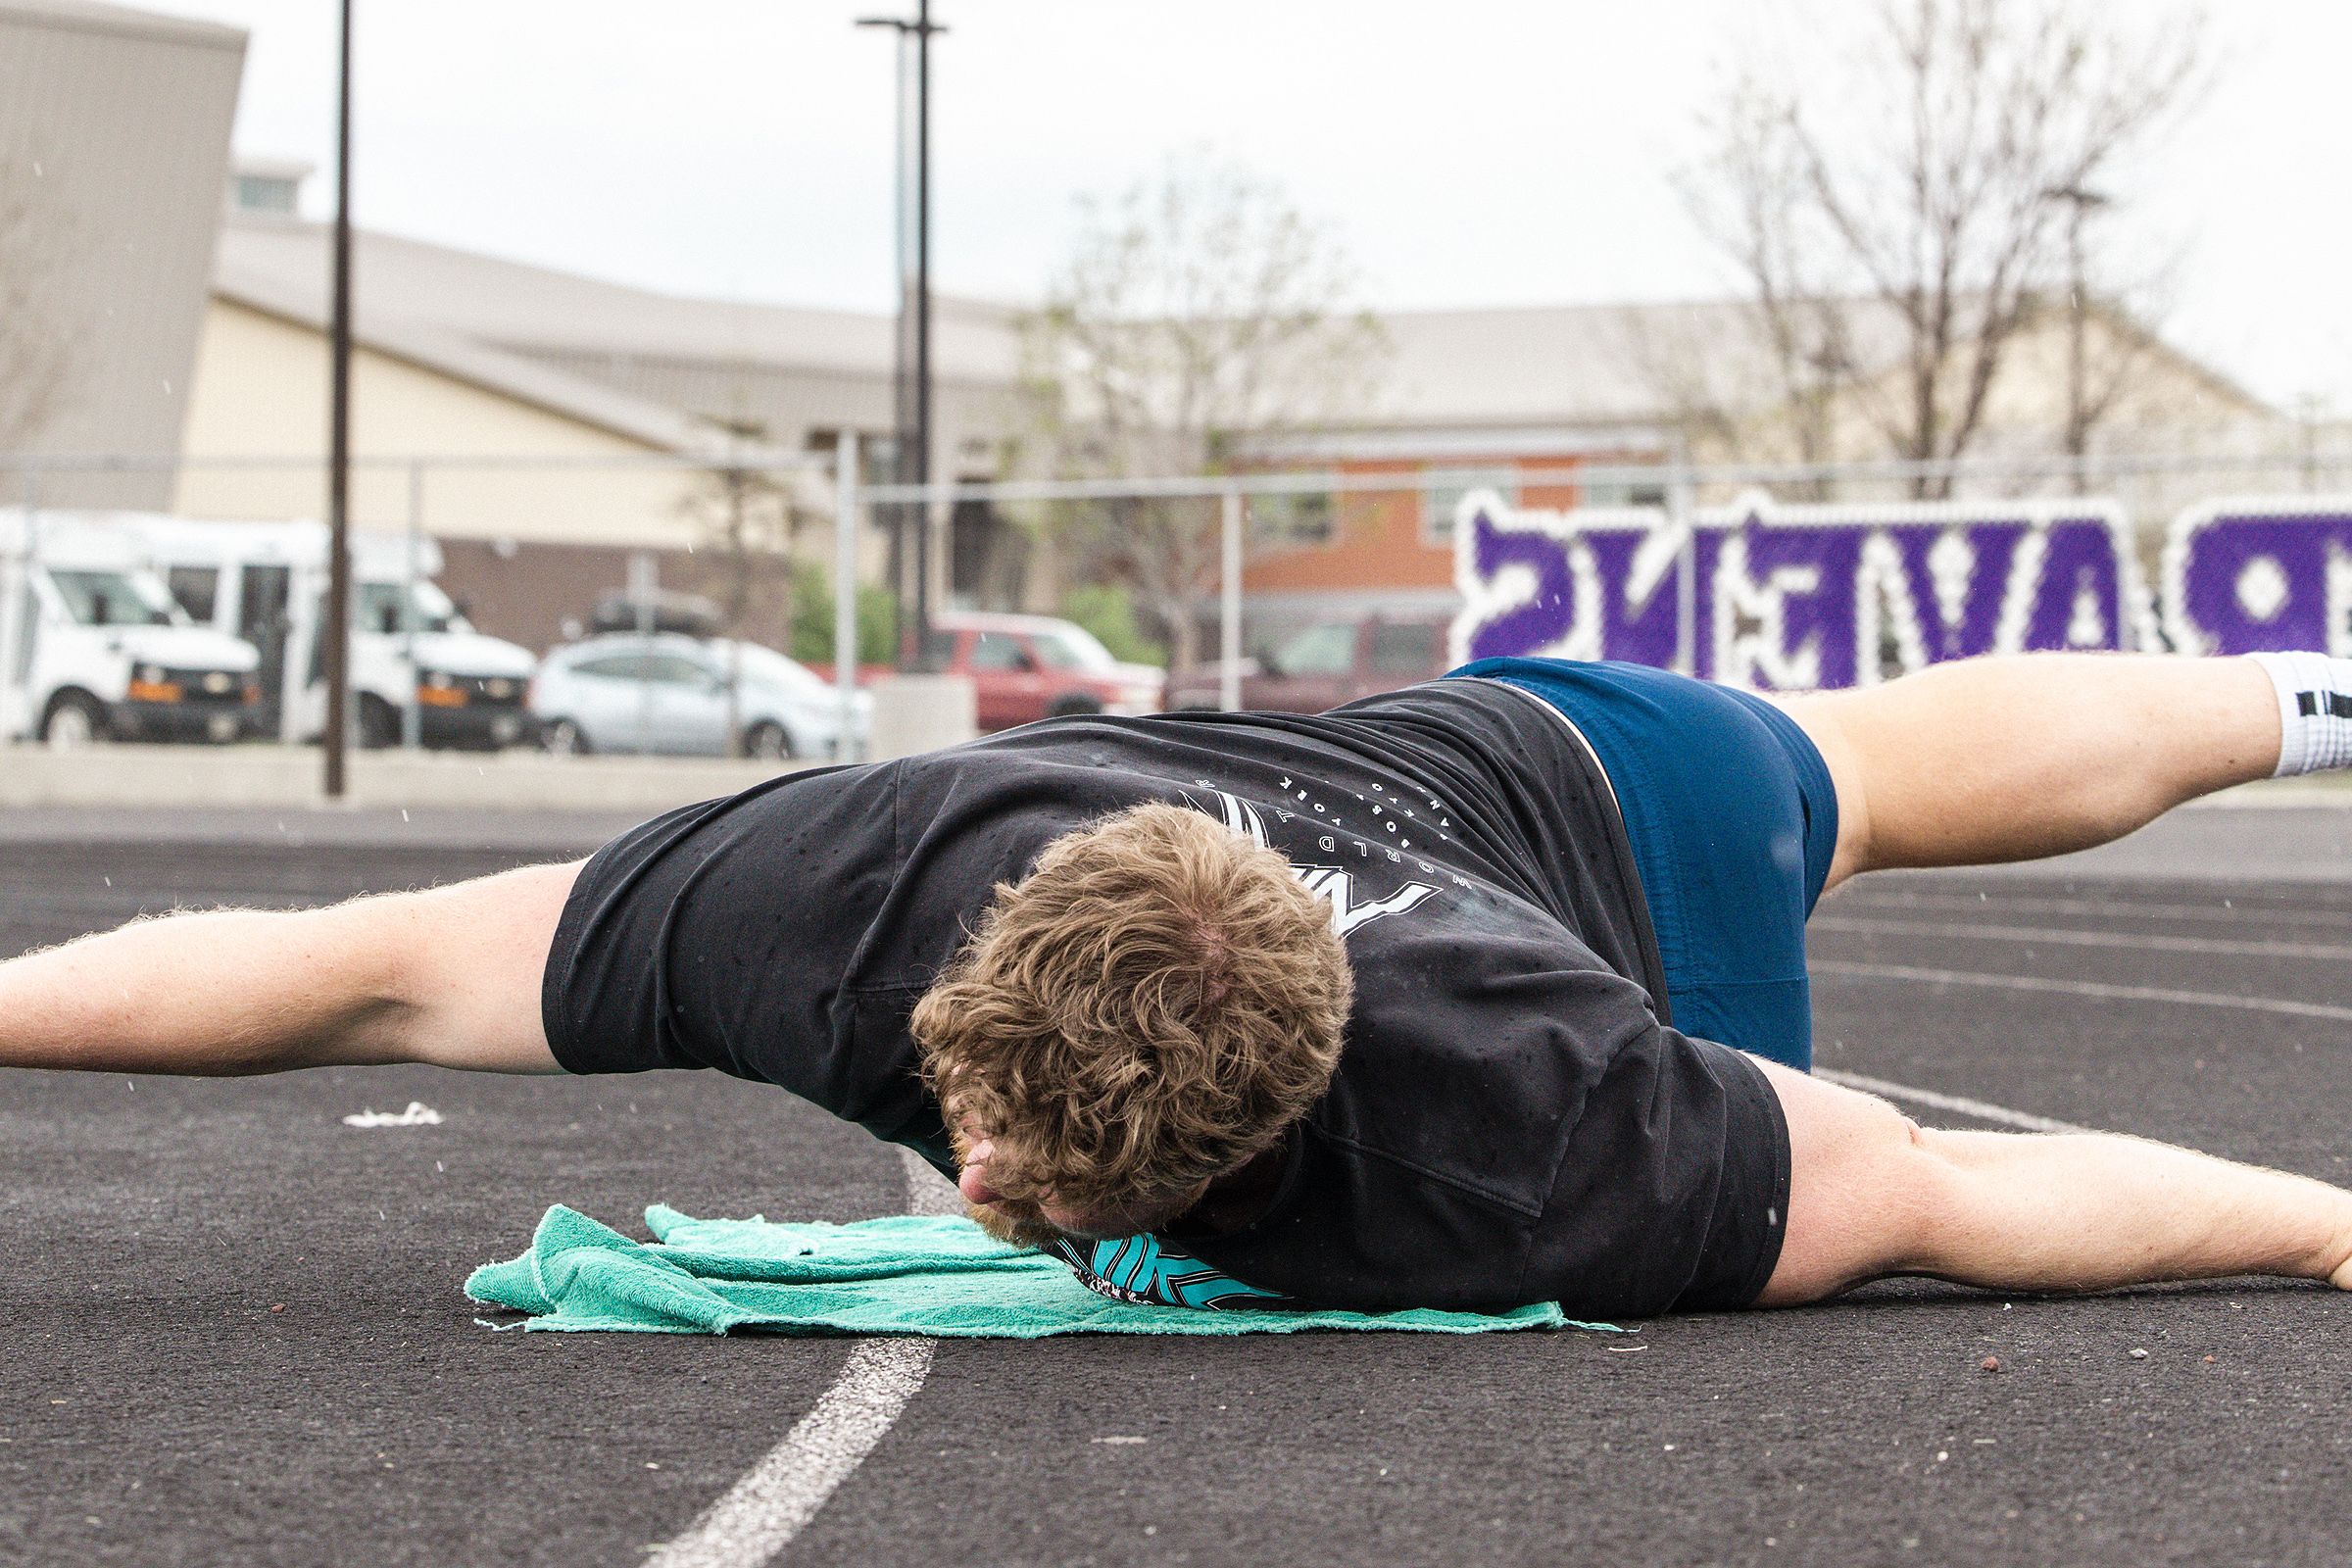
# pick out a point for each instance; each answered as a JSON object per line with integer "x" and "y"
{"x": 1518, "y": 400}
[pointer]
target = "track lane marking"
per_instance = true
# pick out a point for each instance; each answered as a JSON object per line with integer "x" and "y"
{"x": 2234, "y": 913}
{"x": 1981, "y": 1109}
{"x": 2081, "y": 988}
{"x": 759, "y": 1516}
{"x": 2059, "y": 936}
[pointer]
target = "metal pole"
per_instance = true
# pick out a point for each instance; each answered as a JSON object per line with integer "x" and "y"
{"x": 644, "y": 582}
{"x": 901, "y": 354}
{"x": 22, "y": 620}
{"x": 412, "y": 716}
{"x": 845, "y": 591}
{"x": 923, "y": 320}
{"x": 338, "y": 451}
{"x": 1229, "y": 617}
{"x": 2077, "y": 441}
{"x": 1685, "y": 582}
{"x": 911, "y": 404}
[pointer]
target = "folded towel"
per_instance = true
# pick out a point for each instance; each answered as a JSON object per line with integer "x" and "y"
{"x": 910, "y": 1274}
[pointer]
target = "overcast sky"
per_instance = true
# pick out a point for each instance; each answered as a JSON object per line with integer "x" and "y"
{"x": 1474, "y": 153}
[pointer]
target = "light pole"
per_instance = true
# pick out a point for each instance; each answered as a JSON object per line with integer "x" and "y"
{"x": 2079, "y": 201}
{"x": 911, "y": 384}
{"x": 337, "y": 630}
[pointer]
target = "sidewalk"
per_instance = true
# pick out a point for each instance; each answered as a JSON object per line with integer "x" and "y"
{"x": 161, "y": 778}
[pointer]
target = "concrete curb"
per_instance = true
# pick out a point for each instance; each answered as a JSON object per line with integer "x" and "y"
{"x": 165, "y": 777}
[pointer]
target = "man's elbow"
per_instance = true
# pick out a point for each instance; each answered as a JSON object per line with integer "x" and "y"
{"x": 1871, "y": 1194}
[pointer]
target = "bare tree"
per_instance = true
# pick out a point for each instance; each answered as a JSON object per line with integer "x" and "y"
{"x": 1198, "y": 317}
{"x": 1901, "y": 222}
{"x": 36, "y": 351}
{"x": 1794, "y": 353}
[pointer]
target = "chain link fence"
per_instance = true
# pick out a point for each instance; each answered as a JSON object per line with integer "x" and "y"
{"x": 1283, "y": 588}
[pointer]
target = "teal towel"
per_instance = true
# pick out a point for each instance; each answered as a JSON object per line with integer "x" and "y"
{"x": 909, "y": 1274}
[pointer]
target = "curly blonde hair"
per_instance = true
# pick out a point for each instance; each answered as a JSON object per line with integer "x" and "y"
{"x": 1148, "y": 1009}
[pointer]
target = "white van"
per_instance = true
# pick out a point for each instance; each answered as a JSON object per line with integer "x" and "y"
{"x": 92, "y": 648}
{"x": 266, "y": 583}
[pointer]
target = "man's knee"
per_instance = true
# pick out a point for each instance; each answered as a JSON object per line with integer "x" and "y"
{"x": 1822, "y": 717}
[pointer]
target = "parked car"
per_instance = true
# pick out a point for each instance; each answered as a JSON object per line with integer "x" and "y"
{"x": 669, "y": 694}
{"x": 1027, "y": 668}
{"x": 1329, "y": 663}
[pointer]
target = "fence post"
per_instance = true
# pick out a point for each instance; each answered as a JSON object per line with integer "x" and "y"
{"x": 412, "y": 717}
{"x": 1228, "y": 608}
{"x": 1686, "y": 584}
{"x": 19, "y": 619}
{"x": 845, "y": 591}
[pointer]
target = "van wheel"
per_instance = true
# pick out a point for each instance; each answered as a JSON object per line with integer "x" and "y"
{"x": 74, "y": 721}
{"x": 768, "y": 742}
{"x": 379, "y": 724}
{"x": 564, "y": 738}
{"x": 1073, "y": 703}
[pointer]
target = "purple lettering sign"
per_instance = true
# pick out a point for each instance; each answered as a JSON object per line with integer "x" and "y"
{"x": 2251, "y": 576}
{"x": 1796, "y": 596}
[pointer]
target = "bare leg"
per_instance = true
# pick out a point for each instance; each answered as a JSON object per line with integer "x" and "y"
{"x": 1872, "y": 1193}
{"x": 2014, "y": 758}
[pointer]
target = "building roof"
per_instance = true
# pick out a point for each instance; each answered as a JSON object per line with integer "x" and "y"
{"x": 88, "y": 15}
{"x": 290, "y": 280}
{"x": 1514, "y": 367}
{"x": 521, "y": 307}
{"x": 1586, "y": 376}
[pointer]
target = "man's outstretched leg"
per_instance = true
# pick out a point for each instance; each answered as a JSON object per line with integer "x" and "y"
{"x": 1873, "y": 1193}
{"x": 2013, "y": 758}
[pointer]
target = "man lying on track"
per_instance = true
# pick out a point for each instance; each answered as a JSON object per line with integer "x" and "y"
{"x": 1484, "y": 991}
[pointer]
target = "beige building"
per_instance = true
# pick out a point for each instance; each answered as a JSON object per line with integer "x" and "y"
{"x": 544, "y": 426}
{"x": 566, "y": 424}
{"x": 114, "y": 134}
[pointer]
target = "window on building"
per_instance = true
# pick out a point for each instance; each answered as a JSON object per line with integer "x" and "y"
{"x": 198, "y": 590}
{"x": 270, "y": 194}
{"x": 1325, "y": 648}
{"x": 877, "y": 451}
{"x": 1405, "y": 648}
{"x": 1615, "y": 494}
{"x": 1442, "y": 489}
{"x": 1294, "y": 522}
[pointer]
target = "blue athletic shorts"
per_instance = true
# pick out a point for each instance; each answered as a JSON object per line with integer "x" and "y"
{"x": 1733, "y": 819}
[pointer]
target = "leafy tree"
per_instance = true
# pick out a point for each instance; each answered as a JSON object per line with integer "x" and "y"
{"x": 812, "y": 641}
{"x": 1108, "y": 610}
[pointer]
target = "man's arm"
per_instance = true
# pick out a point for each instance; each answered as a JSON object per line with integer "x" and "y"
{"x": 1873, "y": 1193}
{"x": 449, "y": 977}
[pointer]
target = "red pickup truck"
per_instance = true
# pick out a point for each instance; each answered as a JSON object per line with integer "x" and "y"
{"x": 1327, "y": 664}
{"x": 1026, "y": 667}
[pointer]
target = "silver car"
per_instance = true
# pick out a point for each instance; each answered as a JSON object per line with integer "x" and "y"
{"x": 671, "y": 694}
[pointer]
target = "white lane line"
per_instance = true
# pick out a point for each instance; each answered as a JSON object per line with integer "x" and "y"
{"x": 2225, "y": 912}
{"x": 2058, "y": 936}
{"x": 1981, "y": 1109}
{"x": 757, "y": 1518}
{"x": 2080, "y": 987}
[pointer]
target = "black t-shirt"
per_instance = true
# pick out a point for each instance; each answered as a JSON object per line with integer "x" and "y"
{"x": 1511, "y": 1122}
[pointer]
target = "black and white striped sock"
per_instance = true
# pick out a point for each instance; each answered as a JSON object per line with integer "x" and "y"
{"x": 2315, "y": 711}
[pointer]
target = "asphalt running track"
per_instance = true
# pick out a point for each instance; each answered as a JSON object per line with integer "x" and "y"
{"x": 232, "y": 1331}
